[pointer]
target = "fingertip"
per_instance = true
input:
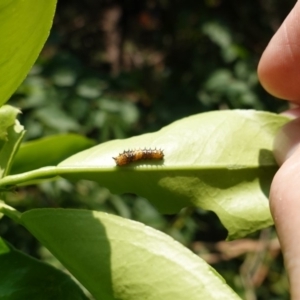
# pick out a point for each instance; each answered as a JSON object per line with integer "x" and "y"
{"x": 285, "y": 207}
{"x": 278, "y": 69}
{"x": 285, "y": 196}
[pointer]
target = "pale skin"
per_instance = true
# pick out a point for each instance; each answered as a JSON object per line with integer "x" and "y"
{"x": 279, "y": 73}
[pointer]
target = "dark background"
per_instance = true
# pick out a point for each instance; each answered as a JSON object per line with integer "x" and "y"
{"x": 114, "y": 69}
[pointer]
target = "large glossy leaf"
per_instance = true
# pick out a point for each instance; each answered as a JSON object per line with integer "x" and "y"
{"x": 220, "y": 161}
{"x": 115, "y": 258}
{"x": 23, "y": 277}
{"x": 48, "y": 151}
{"x": 24, "y": 28}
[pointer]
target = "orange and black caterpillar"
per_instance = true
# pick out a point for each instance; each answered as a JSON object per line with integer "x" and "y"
{"x": 130, "y": 156}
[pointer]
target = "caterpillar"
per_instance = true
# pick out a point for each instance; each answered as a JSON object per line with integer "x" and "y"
{"x": 130, "y": 156}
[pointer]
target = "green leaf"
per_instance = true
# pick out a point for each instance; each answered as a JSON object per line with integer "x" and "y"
{"x": 220, "y": 161}
{"x": 8, "y": 115}
{"x": 48, "y": 151}
{"x": 12, "y": 133}
{"x": 23, "y": 277}
{"x": 24, "y": 28}
{"x": 115, "y": 258}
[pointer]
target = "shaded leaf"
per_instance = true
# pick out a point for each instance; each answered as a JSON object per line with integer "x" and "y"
{"x": 115, "y": 258}
{"x": 23, "y": 277}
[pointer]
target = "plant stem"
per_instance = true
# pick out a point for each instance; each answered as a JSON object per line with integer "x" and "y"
{"x": 35, "y": 175}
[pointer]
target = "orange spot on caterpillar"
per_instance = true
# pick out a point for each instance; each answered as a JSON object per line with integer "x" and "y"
{"x": 130, "y": 156}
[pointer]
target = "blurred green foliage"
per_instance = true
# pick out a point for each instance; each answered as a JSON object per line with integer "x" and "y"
{"x": 113, "y": 69}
